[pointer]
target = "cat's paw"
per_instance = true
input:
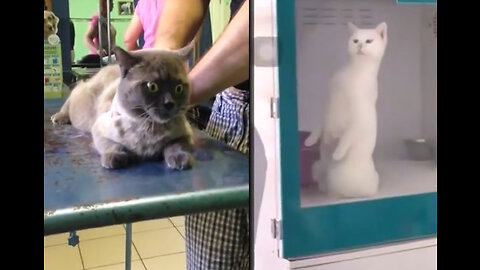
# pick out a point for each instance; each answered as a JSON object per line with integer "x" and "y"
{"x": 60, "y": 119}
{"x": 310, "y": 141}
{"x": 180, "y": 160}
{"x": 116, "y": 160}
{"x": 338, "y": 154}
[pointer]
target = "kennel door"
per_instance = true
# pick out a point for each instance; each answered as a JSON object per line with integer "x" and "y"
{"x": 312, "y": 45}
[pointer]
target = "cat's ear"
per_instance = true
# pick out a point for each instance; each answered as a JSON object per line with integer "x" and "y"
{"x": 125, "y": 60}
{"x": 382, "y": 30}
{"x": 185, "y": 52}
{"x": 352, "y": 28}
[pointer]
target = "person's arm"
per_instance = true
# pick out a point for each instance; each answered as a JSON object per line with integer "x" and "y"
{"x": 226, "y": 63}
{"x": 179, "y": 23}
{"x": 91, "y": 33}
{"x": 133, "y": 32}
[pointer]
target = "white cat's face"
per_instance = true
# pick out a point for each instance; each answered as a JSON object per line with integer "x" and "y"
{"x": 367, "y": 42}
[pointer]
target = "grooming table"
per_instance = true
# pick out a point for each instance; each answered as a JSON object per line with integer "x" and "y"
{"x": 80, "y": 194}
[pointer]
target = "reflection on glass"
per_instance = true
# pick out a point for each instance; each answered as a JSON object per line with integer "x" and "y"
{"x": 343, "y": 119}
{"x": 99, "y": 26}
{"x": 100, "y": 35}
{"x": 90, "y": 34}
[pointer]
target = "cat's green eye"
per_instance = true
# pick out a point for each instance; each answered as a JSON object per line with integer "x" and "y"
{"x": 178, "y": 89}
{"x": 369, "y": 41}
{"x": 152, "y": 87}
{"x": 355, "y": 41}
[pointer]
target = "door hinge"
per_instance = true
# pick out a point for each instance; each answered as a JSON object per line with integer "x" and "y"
{"x": 276, "y": 227}
{"x": 274, "y": 107}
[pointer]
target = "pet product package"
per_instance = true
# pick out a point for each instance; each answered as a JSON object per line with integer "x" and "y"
{"x": 52, "y": 68}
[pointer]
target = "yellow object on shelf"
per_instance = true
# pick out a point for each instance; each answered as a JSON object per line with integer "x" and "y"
{"x": 219, "y": 17}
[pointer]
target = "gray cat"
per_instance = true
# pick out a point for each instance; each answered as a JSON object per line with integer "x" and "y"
{"x": 135, "y": 110}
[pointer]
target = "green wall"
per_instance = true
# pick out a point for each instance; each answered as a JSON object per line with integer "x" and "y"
{"x": 80, "y": 13}
{"x": 82, "y": 10}
{"x": 219, "y": 16}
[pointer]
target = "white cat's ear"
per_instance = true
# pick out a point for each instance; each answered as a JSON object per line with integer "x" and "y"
{"x": 352, "y": 28}
{"x": 125, "y": 60}
{"x": 382, "y": 30}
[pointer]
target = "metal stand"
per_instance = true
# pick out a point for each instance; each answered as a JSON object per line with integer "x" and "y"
{"x": 128, "y": 246}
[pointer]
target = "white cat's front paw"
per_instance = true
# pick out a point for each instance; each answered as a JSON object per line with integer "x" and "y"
{"x": 337, "y": 155}
{"x": 310, "y": 141}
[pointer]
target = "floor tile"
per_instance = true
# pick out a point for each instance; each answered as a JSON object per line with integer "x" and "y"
{"x": 101, "y": 232}
{"x": 182, "y": 231}
{"x": 63, "y": 257}
{"x": 151, "y": 225}
{"x": 136, "y": 265}
{"x": 105, "y": 251}
{"x": 178, "y": 221}
{"x": 159, "y": 242}
{"x": 167, "y": 262}
{"x": 55, "y": 239}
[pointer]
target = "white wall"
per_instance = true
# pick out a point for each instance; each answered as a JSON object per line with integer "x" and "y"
{"x": 429, "y": 72}
{"x": 266, "y": 178}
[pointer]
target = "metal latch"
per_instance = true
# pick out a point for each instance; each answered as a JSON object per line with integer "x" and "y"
{"x": 274, "y": 107}
{"x": 276, "y": 227}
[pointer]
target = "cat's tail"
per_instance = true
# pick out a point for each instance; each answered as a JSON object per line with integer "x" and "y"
{"x": 313, "y": 138}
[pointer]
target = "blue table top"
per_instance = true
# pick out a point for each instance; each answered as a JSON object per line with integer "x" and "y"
{"x": 79, "y": 193}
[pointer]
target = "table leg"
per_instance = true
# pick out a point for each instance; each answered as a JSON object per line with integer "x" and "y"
{"x": 128, "y": 246}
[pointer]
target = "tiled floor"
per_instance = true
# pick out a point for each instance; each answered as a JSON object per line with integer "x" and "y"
{"x": 157, "y": 245}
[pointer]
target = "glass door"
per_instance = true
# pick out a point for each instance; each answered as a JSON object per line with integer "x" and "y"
{"x": 356, "y": 76}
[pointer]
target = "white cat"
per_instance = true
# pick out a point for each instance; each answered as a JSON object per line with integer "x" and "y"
{"x": 349, "y": 130}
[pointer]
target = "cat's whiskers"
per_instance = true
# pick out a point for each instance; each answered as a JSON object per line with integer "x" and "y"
{"x": 151, "y": 126}
{"x": 149, "y": 122}
{"x": 143, "y": 115}
{"x": 145, "y": 121}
